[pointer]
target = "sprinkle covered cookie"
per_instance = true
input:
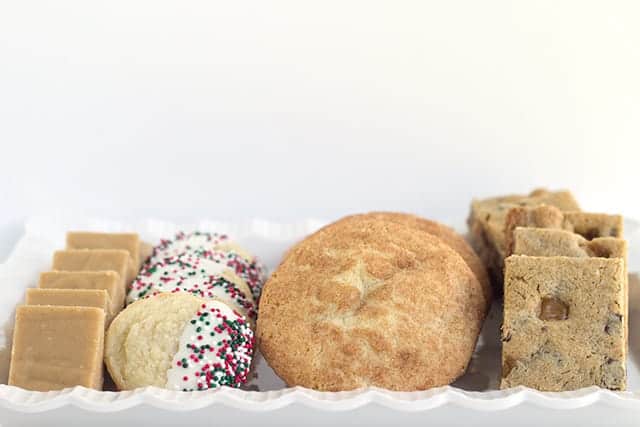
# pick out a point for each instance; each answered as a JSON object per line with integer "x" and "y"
{"x": 195, "y": 242}
{"x": 179, "y": 342}
{"x": 218, "y": 248}
{"x": 248, "y": 268}
{"x": 196, "y": 275}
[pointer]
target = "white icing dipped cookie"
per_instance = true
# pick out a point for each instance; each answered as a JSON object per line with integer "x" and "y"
{"x": 195, "y": 242}
{"x": 218, "y": 248}
{"x": 179, "y": 342}
{"x": 198, "y": 276}
{"x": 249, "y": 268}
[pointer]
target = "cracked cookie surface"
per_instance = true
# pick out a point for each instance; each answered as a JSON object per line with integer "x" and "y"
{"x": 366, "y": 302}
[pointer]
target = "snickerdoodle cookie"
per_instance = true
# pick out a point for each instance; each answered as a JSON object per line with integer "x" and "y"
{"x": 367, "y": 302}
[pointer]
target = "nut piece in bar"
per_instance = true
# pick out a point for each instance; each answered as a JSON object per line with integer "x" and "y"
{"x": 97, "y": 280}
{"x": 564, "y": 323}
{"x": 71, "y": 298}
{"x": 129, "y": 242}
{"x": 56, "y": 347}
{"x": 94, "y": 260}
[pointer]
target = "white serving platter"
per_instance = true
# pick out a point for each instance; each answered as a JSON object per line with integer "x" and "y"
{"x": 474, "y": 398}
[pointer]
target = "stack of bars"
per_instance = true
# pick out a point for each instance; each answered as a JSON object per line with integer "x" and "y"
{"x": 58, "y": 337}
{"x": 564, "y": 277}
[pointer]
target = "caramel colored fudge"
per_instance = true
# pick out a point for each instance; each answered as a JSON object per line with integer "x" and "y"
{"x": 93, "y": 280}
{"x": 487, "y": 222}
{"x": 588, "y": 225}
{"x": 129, "y": 242}
{"x": 57, "y": 347}
{"x": 564, "y": 323}
{"x": 94, "y": 260}
{"x": 71, "y": 298}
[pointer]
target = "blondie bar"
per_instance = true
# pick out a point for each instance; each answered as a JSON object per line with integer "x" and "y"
{"x": 588, "y": 225}
{"x": 487, "y": 225}
{"x": 564, "y": 323}
{"x": 555, "y": 242}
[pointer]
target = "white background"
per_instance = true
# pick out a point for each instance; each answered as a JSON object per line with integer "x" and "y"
{"x": 289, "y": 109}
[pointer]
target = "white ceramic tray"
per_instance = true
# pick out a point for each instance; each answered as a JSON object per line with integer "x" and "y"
{"x": 473, "y": 398}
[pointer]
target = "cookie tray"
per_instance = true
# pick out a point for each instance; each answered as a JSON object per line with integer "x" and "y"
{"x": 474, "y": 397}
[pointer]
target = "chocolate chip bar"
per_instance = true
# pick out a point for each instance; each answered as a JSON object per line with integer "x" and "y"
{"x": 587, "y": 225}
{"x": 564, "y": 323}
{"x": 487, "y": 225}
{"x": 553, "y": 242}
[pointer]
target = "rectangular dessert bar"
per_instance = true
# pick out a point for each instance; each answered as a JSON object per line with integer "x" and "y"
{"x": 129, "y": 242}
{"x": 487, "y": 221}
{"x": 588, "y": 225}
{"x": 109, "y": 281}
{"x": 564, "y": 323}
{"x": 94, "y": 260}
{"x": 71, "y": 298}
{"x": 557, "y": 242}
{"x": 57, "y": 347}
{"x": 554, "y": 242}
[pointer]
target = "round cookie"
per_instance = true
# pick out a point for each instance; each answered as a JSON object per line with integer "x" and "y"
{"x": 218, "y": 248}
{"x": 182, "y": 242}
{"x": 246, "y": 265}
{"x": 198, "y": 276}
{"x": 366, "y": 302}
{"x": 179, "y": 342}
{"x": 448, "y": 236}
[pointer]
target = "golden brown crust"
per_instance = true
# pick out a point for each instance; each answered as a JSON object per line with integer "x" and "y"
{"x": 365, "y": 302}
{"x": 448, "y": 236}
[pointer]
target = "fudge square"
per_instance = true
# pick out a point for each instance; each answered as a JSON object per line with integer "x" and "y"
{"x": 71, "y": 298}
{"x": 564, "y": 323}
{"x": 56, "y": 347}
{"x": 129, "y": 242}
{"x": 94, "y": 260}
{"x": 97, "y": 280}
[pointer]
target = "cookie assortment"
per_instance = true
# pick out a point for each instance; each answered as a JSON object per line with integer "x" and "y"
{"x": 382, "y": 299}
